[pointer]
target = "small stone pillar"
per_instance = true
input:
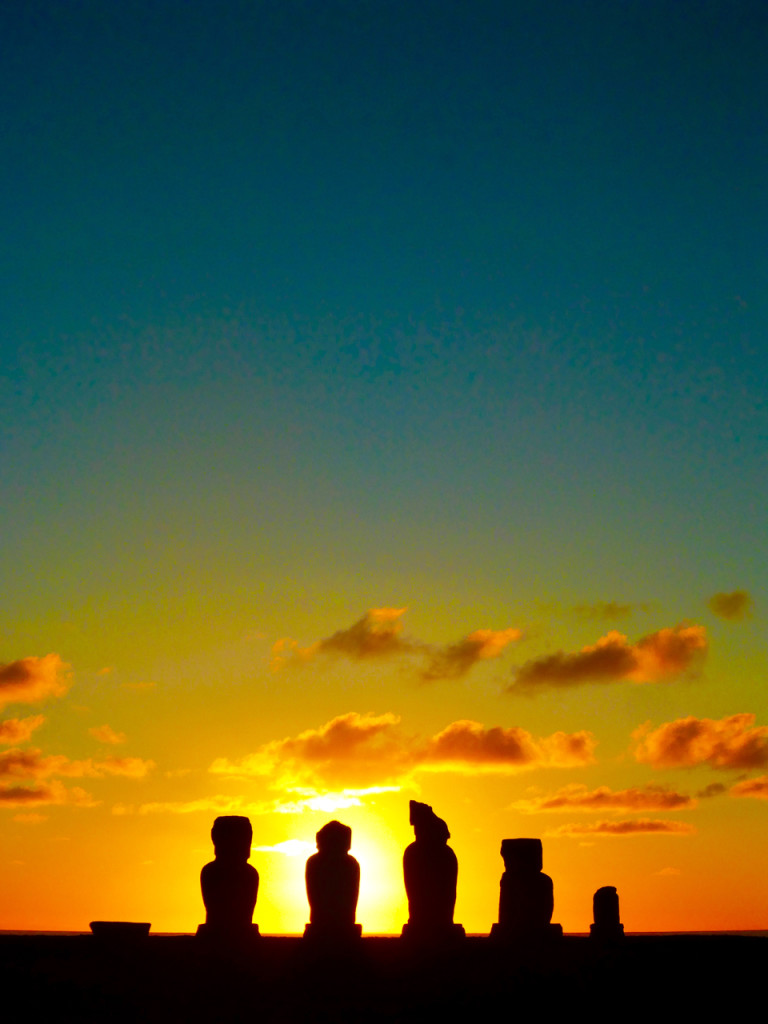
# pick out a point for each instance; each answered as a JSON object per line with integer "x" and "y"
{"x": 333, "y": 883}
{"x": 607, "y": 926}
{"x": 230, "y": 884}
{"x": 526, "y": 899}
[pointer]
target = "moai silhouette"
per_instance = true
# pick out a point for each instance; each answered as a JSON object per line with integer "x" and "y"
{"x": 607, "y": 925}
{"x": 430, "y": 870}
{"x": 526, "y": 900}
{"x": 229, "y": 883}
{"x": 333, "y": 884}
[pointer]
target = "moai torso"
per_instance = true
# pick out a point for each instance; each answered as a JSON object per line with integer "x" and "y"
{"x": 526, "y": 899}
{"x": 229, "y": 883}
{"x": 333, "y": 880}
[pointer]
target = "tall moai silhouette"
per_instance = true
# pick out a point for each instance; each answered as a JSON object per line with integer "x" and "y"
{"x": 526, "y": 899}
{"x": 333, "y": 883}
{"x": 229, "y": 883}
{"x": 607, "y": 926}
{"x": 430, "y": 871}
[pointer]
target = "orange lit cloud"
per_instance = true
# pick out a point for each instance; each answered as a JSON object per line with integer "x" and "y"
{"x": 367, "y": 748}
{"x": 378, "y": 635}
{"x": 31, "y": 680}
{"x": 469, "y": 747}
{"x": 632, "y": 827}
{"x": 733, "y": 606}
{"x": 349, "y": 745}
{"x": 51, "y": 793}
{"x": 18, "y": 730}
{"x": 457, "y": 659}
{"x": 106, "y": 734}
{"x": 32, "y": 764}
{"x": 722, "y": 743}
{"x": 757, "y": 788}
{"x": 653, "y": 658}
{"x": 375, "y": 635}
{"x": 578, "y": 798}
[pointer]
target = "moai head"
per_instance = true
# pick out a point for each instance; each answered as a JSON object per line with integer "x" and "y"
{"x": 334, "y": 839}
{"x": 522, "y": 856}
{"x": 232, "y": 836}
{"x": 426, "y": 824}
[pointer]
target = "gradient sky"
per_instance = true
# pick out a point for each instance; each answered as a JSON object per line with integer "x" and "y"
{"x": 334, "y": 333}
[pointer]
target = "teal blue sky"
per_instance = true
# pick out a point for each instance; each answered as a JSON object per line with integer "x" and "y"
{"x": 382, "y": 299}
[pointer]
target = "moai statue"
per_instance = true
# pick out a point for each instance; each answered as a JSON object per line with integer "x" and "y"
{"x": 333, "y": 884}
{"x": 229, "y": 883}
{"x": 526, "y": 900}
{"x": 607, "y": 926}
{"x": 430, "y": 869}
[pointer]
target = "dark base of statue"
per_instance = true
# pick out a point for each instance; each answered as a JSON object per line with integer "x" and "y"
{"x": 228, "y": 939}
{"x": 525, "y": 936}
{"x": 606, "y": 933}
{"x": 432, "y": 935}
{"x": 333, "y": 934}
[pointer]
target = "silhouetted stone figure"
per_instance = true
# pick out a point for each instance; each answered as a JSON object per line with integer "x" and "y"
{"x": 526, "y": 900}
{"x": 607, "y": 925}
{"x": 333, "y": 884}
{"x": 229, "y": 883}
{"x": 430, "y": 870}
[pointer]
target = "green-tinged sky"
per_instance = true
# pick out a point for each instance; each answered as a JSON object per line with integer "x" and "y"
{"x": 384, "y": 417}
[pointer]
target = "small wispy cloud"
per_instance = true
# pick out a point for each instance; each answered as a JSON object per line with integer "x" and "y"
{"x": 755, "y": 788}
{"x": 32, "y": 680}
{"x": 106, "y": 734}
{"x": 631, "y": 827}
{"x": 578, "y": 797}
{"x": 18, "y": 730}
{"x": 733, "y": 606}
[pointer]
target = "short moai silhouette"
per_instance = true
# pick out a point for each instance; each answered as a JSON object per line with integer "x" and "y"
{"x": 526, "y": 900}
{"x": 607, "y": 926}
{"x": 333, "y": 883}
{"x": 229, "y": 883}
{"x": 430, "y": 870}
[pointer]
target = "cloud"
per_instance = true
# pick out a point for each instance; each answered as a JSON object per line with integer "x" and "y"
{"x": 106, "y": 734}
{"x": 378, "y": 635}
{"x": 37, "y": 796}
{"x": 18, "y": 730}
{"x": 733, "y": 606}
{"x": 757, "y": 788}
{"x": 635, "y": 826}
{"x": 31, "y": 680}
{"x": 32, "y": 818}
{"x": 470, "y": 747}
{"x": 31, "y": 763}
{"x": 713, "y": 789}
{"x": 653, "y": 658}
{"x": 637, "y": 798}
{"x": 375, "y": 635}
{"x": 721, "y": 743}
{"x": 370, "y": 748}
{"x": 352, "y": 744}
{"x": 455, "y": 660}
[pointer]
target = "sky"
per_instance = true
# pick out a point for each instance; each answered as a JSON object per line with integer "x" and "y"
{"x": 384, "y": 418}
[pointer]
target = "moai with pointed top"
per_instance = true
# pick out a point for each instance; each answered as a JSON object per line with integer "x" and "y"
{"x": 526, "y": 899}
{"x": 430, "y": 870}
{"x": 607, "y": 926}
{"x": 229, "y": 883}
{"x": 333, "y": 883}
